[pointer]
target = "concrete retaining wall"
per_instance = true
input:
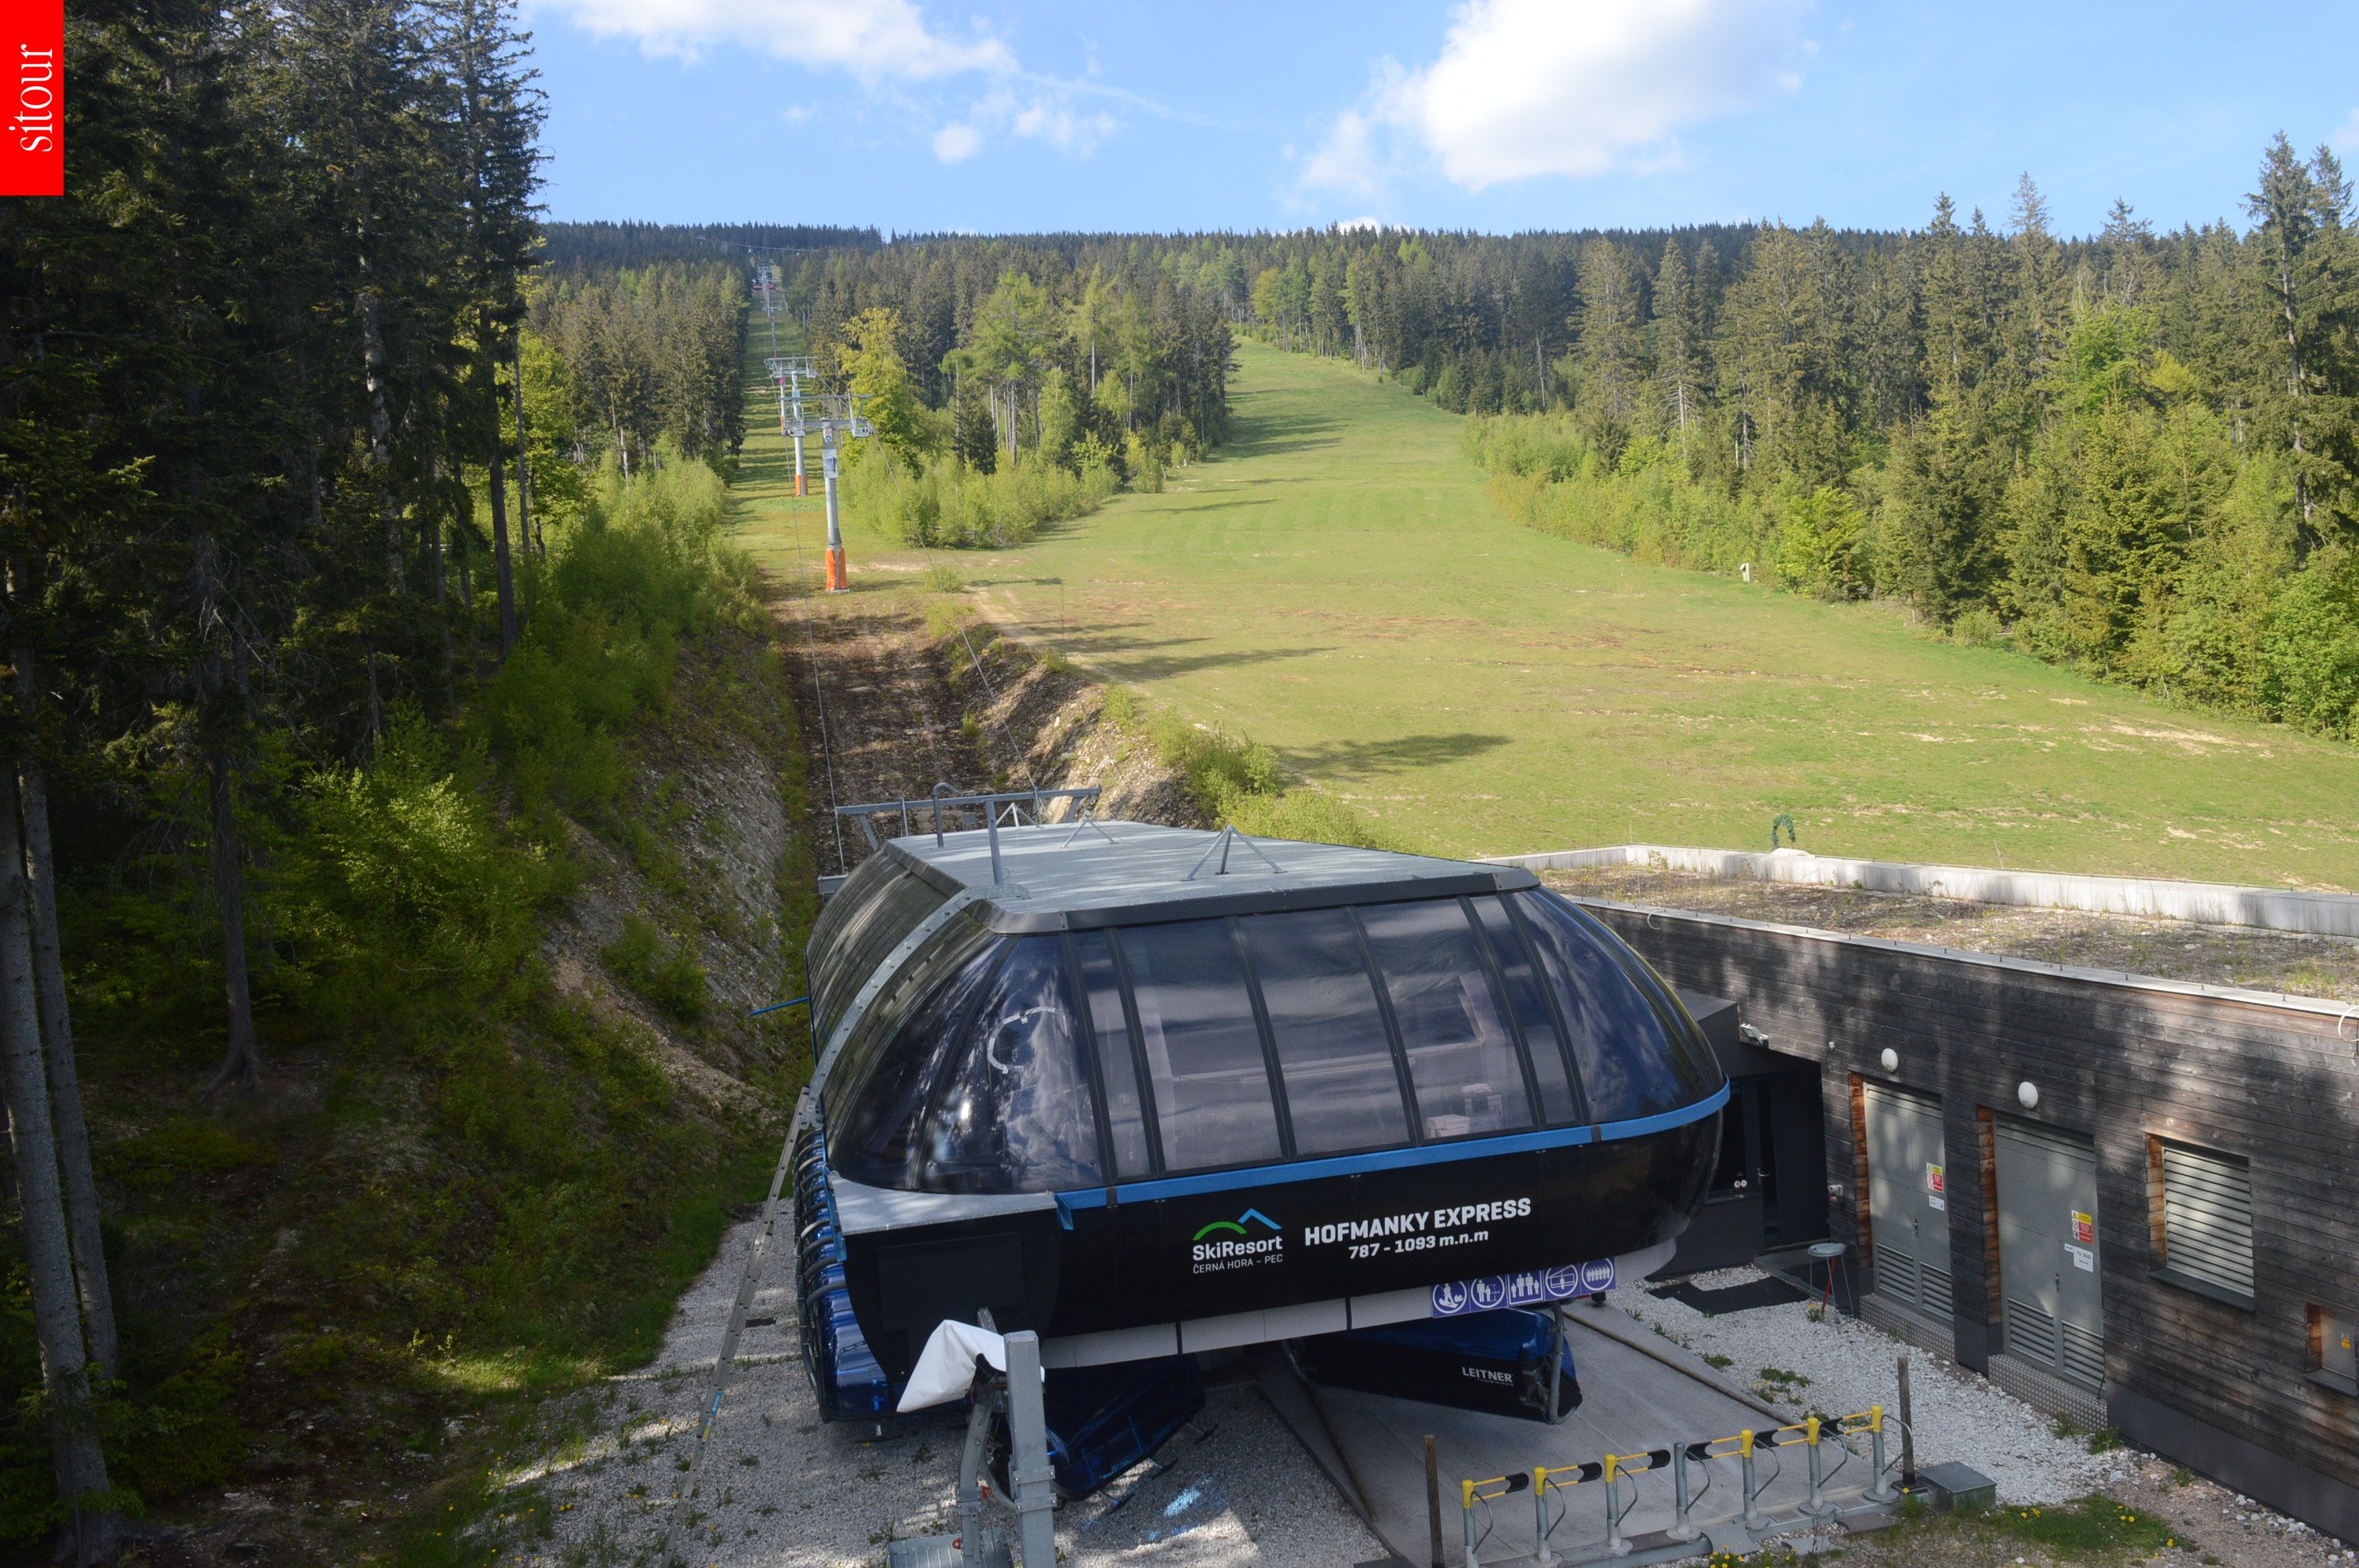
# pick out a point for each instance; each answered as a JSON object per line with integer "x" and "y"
{"x": 2210, "y": 904}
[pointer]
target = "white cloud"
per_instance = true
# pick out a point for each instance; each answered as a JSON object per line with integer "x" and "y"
{"x": 2345, "y": 139}
{"x": 1577, "y": 88}
{"x": 1347, "y": 159}
{"x": 1062, "y": 127}
{"x": 1024, "y": 112}
{"x": 881, "y": 40}
{"x": 887, "y": 45}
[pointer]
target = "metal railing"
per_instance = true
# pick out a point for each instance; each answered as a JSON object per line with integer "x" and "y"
{"x": 945, "y": 812}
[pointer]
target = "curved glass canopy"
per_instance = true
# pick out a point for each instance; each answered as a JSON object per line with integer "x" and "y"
{"x": 1050, "y": 1062}
{"x": 872, "y": 913}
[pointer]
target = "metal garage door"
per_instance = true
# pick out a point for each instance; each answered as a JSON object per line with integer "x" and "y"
{"x": 2048, "y": 1252}
{"x": 1907, "y": 1199}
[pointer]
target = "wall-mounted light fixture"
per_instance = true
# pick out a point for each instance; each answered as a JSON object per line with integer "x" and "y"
{"x": 1891, "y": 1060}
{"x": 2027, "y": 1094}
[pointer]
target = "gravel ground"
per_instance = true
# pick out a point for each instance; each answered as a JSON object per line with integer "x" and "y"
{"x": 780, "y": 1489}
{"x": 1849, "y": 1365}
{"x": 1842, "y": 1365}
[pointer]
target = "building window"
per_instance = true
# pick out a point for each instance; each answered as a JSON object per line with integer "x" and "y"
{"x": 2202, "y": 1220}
{"x": 2331, "y": 1335}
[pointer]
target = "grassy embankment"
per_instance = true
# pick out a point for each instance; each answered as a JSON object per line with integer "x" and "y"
{"x": 1231, "y": 778}
{"x": 1337, "y": 584}
{"x": 475, "y": 1174}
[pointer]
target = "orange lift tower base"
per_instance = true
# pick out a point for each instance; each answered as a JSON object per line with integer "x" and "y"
{"x": 833, "y": 414}
{"x": 837, "y": 579}
{"x": 795, "y": 380}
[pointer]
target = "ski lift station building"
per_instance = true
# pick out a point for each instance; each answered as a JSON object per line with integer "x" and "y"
{"x": 1152, "y": 1091}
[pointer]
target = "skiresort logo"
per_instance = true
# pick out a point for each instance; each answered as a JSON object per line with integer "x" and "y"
{"x": 1237, "y": 1226}
{"x": 1238, "y": 1247}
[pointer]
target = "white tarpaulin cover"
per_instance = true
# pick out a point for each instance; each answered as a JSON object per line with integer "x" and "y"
{"x": 945, "y": 1368}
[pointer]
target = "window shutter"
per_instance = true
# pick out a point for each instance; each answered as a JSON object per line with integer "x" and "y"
{"x": 2208, "y": 1218}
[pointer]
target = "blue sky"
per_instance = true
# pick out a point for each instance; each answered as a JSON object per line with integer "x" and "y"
{"x": 1497, "y": 114}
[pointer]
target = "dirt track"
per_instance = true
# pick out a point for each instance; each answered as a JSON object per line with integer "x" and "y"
{"x": 909, "y": 702}
{"x": 863, "y": 666}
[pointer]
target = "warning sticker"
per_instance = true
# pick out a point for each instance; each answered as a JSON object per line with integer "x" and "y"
{"x": 1936, "y": 1190}
{"x": 2084, "y": 1230}
{"x": 2083, "y": 1258}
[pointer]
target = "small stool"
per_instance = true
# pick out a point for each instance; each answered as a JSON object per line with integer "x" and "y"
{"x": 1829, "y": 1254}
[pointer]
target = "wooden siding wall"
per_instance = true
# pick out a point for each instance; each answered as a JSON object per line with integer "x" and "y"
{"x": 2122, "y": 1062}
{"x": 1987, "y": 1171}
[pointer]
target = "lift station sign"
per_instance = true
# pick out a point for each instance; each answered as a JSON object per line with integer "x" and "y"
{"x": 1496, "y": 1228}
{"x": 1253, "y": 1240}
{"x": 1420, "y": 1231}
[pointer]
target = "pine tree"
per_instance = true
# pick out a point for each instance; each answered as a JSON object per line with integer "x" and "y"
{"x": 2303, "y": 245}
{"x": 972, "y": 436}
{"x": 1943, "y": 499}
{"x": 497, "y": 164}
{"x": 2123, "y": 255}
{"x": 1681, "y": 333}
{"x": 1609, "y": 342}
{"x": 2035, "y": 293}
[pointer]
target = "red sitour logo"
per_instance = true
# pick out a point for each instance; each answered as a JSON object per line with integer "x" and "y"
{"x": 33, "y": 139}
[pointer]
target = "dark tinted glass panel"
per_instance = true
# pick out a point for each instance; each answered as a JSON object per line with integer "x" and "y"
{"x": 864, "y": 941}
{"x": 1117, "y": 1069}
{"x": 1461, "y": 1058}
{"x": 851, "y": 895}
{"x": 947, "y": 948}
{"x": 1341, "y": 1090}
{"x": 1011, "y": 1111}
{"x": 1629, "y": 1065}
{"x": 1558, "y": 1104}
{"x": 873, "y": 1138}
{"x": 1204, "y": 1050}
{"x": 1699, "y": 1064}
{"x": 829, "y": 951}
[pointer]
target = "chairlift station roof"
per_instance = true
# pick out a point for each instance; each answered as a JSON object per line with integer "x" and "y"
{"x": 1074, "y": 876}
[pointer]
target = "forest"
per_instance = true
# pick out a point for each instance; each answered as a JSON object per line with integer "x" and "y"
{"x": 1012, "y": 382}
{"x": 352, "y": 544}
{"x": 2135, "y": 453}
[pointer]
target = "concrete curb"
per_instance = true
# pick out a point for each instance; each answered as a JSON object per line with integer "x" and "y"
{"x": 2208, "y": 904}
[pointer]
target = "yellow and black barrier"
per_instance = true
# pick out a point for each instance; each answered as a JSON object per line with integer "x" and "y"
{"x": 1487, "y": 1492}
{"x": 1811, "y": 1434}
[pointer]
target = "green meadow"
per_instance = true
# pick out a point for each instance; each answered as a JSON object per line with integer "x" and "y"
{"x": 1336, "y": 584}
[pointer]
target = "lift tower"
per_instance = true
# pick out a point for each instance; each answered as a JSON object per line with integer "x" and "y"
{"x": 791, "y": 371}
{"x": 828, "y": 415}
{"x": 766, "y": 274}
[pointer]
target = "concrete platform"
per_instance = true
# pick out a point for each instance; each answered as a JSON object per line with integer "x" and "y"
{"x": 1632, "y": 1401}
